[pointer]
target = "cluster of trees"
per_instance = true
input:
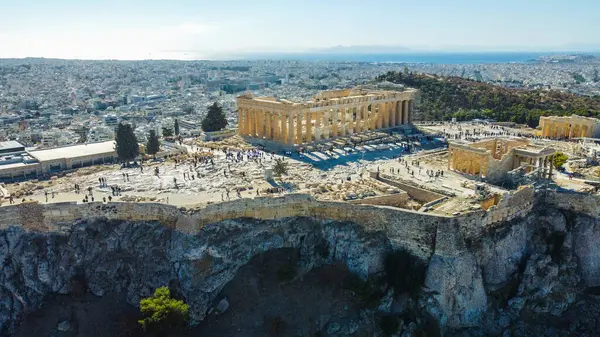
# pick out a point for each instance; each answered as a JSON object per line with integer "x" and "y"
{"x": 443, "y": 98}
{"x": 127, "y": 146}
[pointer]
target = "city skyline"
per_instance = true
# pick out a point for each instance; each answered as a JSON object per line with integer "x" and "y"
{"x": 206, "y": 30}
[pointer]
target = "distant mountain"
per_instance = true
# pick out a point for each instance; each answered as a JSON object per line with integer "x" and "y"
{"x": 361, "y": 50}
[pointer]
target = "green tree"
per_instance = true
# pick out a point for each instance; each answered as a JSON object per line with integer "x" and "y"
{"x": 153, "y": 145}
{"x": 176, "y": 127}
{"x": 215, "y": 119}
{"x": 167, "y": 132}
{"x": 163, "y": 315}
{"x": 126, "y": 143}
{"x": 281, "y": 167}
{"x": 559, "y": 160}
{"x": 596, "y": 77}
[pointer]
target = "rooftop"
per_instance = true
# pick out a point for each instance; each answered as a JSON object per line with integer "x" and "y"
{"x": 10, "y": 145}
{"x": 74, "y": 151}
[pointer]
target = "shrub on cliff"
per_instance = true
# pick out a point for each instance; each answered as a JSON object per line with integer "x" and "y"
{"x": 163, "y": 315}
{"x": 404, "y": 272}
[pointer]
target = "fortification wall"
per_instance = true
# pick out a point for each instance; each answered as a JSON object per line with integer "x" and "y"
{"x": 409, "y": 229}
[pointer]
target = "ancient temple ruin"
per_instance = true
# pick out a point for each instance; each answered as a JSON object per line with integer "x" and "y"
{"x": 569, "y": 127}
{"x": 329, "y": 114}
{"x": 493, "y": 159}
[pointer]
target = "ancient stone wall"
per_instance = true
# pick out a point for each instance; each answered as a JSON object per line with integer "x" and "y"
{"x": 409, "y": 229}
{"x": 395, "y": 200}
{"x": 416, "y": 193}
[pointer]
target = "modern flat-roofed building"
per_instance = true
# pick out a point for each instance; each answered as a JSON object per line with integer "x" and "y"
{"x": 11, "y": 146}
{"x": 75, "y": 156}
{"x": 26, "y": 164}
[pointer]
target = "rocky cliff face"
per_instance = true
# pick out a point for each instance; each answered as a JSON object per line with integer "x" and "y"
{"x": 135, "y": 258}
{"x": 510, "y": 279}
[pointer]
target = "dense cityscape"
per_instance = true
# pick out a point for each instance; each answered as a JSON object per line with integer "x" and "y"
{"x": 47, "y": 102}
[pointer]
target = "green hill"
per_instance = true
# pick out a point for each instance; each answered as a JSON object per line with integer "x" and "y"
{"x": 445, "y": 97}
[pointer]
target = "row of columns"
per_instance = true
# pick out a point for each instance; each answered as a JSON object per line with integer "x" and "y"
{"x": 470, "y": 162}
{"x": 565, "y": 130}
{"x": 544, "y": 165}
{"x": 304, "y": 126}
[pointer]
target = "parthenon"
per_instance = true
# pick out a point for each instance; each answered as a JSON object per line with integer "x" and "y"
{"x": 329, "y": 114}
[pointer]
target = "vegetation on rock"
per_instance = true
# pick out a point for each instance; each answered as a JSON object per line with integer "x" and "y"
{"x": 559, "y": 160}
{"x": 163, "y": 315}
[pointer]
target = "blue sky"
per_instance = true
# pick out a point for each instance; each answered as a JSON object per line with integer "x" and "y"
{"x": 132, "y": 29}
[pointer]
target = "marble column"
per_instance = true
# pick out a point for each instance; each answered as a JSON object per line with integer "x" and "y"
{"x": 334, "y": 123}
{"x": 284, "y": 131}
{"x": 327, "y": 124}
{"x": 405, "y": 112}
{"x": 275, "y": 126}
{"x": 318, "y": 125}
{"x": 299, "y": 117}
{"x": 378, "y": 116}
{"x": 349, "y": 121}
{"x": 393, "y": 114}
{"x": 268, "y": 126}
{"x": 308, "y": 118}
{"x": 357, "y": 124}
{"x": 240, "y": 122}
{"x": 411, "y": 107}
{"x": 343, "y": 126}
{"x": 385, "y": 122}
{"x": 291, "y": 118}
{"x": 246, "y": 121}
{"x": 260, "y": 123}
{"x": 251, "y": 123}
{"x": 364, "y": 123}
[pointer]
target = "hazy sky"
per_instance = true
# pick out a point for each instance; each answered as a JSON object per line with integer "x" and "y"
{"x": 133, "y": 29}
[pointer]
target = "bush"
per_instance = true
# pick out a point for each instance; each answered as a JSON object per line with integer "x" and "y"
{"x": 404, "y": 272}
{"x": 389, "y": 325}
{"x": 281, "y": 167}
{"x": 163, "y": 315}
{"x": 559, "y": 160}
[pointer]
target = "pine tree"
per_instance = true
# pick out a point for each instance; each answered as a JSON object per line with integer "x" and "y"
{"x": 153, "y": 145}
{"x": 126, "y": 144}
{"x": 176, "y": 127}
{"x": 167, "y": 132}
{"x": 215, "y": 119}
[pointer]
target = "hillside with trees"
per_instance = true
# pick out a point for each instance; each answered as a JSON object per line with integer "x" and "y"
{"x": 443, "y": 98}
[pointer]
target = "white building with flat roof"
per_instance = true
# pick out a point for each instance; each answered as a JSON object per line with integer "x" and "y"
{"x": 32, "y": 164}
